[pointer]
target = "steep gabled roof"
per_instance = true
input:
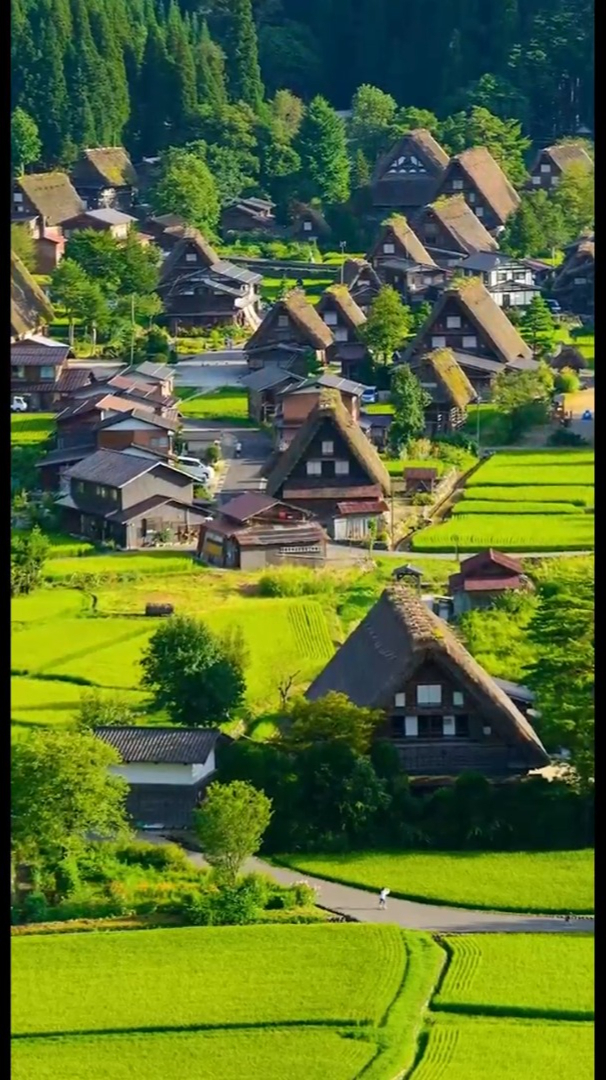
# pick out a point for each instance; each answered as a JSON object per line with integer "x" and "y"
{"x": 582, "y": 256}
{"x": 354, "y": 269}
{"x": 339, "y": 296}
{"x": 408, "y": 240}
{"x": 451, "y": 377}
{"x": 112, "y": 165}
{"x": 461, "y": 224}
{"x": 302, "y": 210}
{"x": 564, "y": 154}
{"x": 29, "y": 305}
{"x": 190, "y": 237}
{"x": 488, "y": 317}
{"x": 52, "y": 195}
{"x": 489, "y": 179}
{"x": 302, "y": 313}
{"x": 396, "y": 637}
{"x": 417, "y": 139}
{"x": 402, "y": 189}
{"x": 330, "y": 406}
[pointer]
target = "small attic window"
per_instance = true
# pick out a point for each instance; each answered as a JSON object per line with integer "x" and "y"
{"x": 191, "y": 257}
{"x": 389, "y": 249}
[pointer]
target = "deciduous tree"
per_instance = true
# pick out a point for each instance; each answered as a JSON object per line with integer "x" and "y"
{"x": 409, "y": 401}
{"x": 230, "y": 826}
{"x": 387, "y": 326}
{"x": 26, "y": 146}
{"x": 186, "y": 187}
{"x": 332, "y": 718}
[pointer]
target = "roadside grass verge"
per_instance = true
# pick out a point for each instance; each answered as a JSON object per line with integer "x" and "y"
{"x": 541, "y": 882}
{"x": 519, "y": 975}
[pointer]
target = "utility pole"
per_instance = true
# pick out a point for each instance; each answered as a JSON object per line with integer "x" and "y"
{"x": 391, "y": 508}
{"x": 132, "y": 329}
{"x": 478, "y": 423}
{"x": 342, "y": 246}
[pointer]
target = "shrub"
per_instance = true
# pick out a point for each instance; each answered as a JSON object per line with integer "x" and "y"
{"x": 422, "y": 498}
{"x": 152, "y": 856}
{"x": 212, "y": 454}
{"x": 35, "y": 907}
{"x": 294, "y": 581}
{"x": 562, "y": 437}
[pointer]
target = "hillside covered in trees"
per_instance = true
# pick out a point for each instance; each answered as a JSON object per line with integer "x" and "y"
{"x": 158, "y": 73}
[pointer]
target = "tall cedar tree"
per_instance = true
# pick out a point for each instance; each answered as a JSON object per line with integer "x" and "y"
{"x": 322, "y": 147}
{"x": 210, "y": 71}
{"x": 243, "y": 71}
{"x": 409, "y": 401}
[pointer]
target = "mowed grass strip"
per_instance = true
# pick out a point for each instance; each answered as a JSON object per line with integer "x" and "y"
{"x": 43, "y": 702}
{"x": 540, "y": 467}
{"x": 471, "y": 506}
{"x": 269, "y": 1054}
{"x": 546, "y": 882}
{"x": 515, "y": 532}
{"x": 57, "y": 646}
{"x": 211, "y": 976}
{"x": 464, "y": 1049}
{"x": 548, "y": 975}
{"x": 157, "y": 562}
{"x": 31, "y": 428}
{"x": 581, "y": 495}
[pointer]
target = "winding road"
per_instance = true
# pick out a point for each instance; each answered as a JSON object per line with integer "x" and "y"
{"x": 363, "y": 906}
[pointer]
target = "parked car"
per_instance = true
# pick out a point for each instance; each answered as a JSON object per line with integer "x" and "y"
{"x": 196, "y": 469}
{"x": 554, "y": 307}
{"x": 369, "y": 395}
{"x": 18, "y": 404}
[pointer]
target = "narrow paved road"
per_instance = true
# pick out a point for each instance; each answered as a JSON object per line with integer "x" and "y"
{"x": 363, "y": 906}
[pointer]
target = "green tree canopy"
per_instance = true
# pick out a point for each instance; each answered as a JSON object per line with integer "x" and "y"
{"x": 26, "y": 146}
{"x": 243, "y": 71}
{"x": 502, "y": 138}
{"x": 334, "y": 719}
{"x": 61, "y": 790}
{"x": 22, "y": 243}
{"x": 537, "y": 327}
{"x": 575, "y": 198}
{"x": 372, "y": 116}
{"x": 322, "y": 147}
{"x": 230, "y": 826}
{"x": 192, "y": 673}
{"x": 387, "y": 326}
{"x": 186, "y": 187}
{"x": 409, "y": 401}
{"x": 29, "y": 552}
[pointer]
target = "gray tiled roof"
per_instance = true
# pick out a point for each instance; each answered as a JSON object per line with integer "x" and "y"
{"x": 179, "y": 746}
{"x": 111, "y": 467}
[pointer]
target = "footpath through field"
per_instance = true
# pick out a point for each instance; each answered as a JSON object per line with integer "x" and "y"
{"x": 363, "y": 906}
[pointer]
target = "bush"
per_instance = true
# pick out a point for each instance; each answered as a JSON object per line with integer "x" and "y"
{"x": 212, "y": 454}
{"x": 562, "y": 437}
{"x": 152, "y": 856}
{"x": 294, "y": 581}
{"x": 422, "y": 498}
{"x": 35, "y": 907}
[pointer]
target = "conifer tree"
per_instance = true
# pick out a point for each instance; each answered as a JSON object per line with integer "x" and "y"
{"x": 210, "y": 70}
{"x": 243, "y": 71}
{"x": 322, "y": 146}
{"x": 183, "y": 89}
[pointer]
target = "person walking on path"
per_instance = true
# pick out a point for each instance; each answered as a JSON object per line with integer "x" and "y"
{"x": 383, "y": 899}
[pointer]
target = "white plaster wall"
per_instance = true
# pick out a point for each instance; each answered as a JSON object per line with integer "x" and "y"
{"x": 149, "y": 773}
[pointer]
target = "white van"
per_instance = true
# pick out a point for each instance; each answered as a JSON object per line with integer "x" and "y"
{"x": 196, "y": 469}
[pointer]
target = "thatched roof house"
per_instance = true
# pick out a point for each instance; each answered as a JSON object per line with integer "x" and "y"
{"x": 338, "y": 309}
{"x": 292, "y": 320}
{"x": 47, "y": 195}
{"x": 407, "y": 176}
{"x": 105, "y": 176}
{"x": 552, "y": 161}
{"x": 573, "y": 284}
{"x": 30, "y": 308}
{"x": 443, "y": 711}
{"x": 308, "y": 223}
{"x": 398, "y": 241}
{"x": 484, "y": 185}
{"x": 450, "y": 227}
{"x": 362, "y": 281}
{"x": 193, "y": 244}
{"x": 451, "y": 383}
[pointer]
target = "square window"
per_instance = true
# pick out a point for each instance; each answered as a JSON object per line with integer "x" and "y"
{"x": 389, "y": 249}
{"x": 438, "y": 342}
{"x": 400, "y": 700}
{"x": 486, "y": 730}
{"x": 457, "y": 698}
{"x": 47, "y": 371}
{"x": 449, "y": 725}
{"x": 341, "y": 468}
{"x": 341, "y": 334}
{"x": 411, "y": 727}
{"x": 555, "y": 181}
{"x": 429, "y": 695}
{"x": 18, "y": 370}
{"x": 330, "y": 318}
{"x": 470, "y": 341}
{"x": 328, "y": 447}
{"x": 479, "y": 211}
{"x": 430, "y": 727}
{"x": 307, "y": 226}
{"x": 191, "y": 257}
{"x": 282, "y": 320}
{"x": 536, "y": 180}
{"x": 457, "y": 185}
{"x": 314, "y": 468}
{"x": 546, "y": 168}
{"x": 472, "y": 197}
{"x": 453, "y": 322}
{"x": 18, "y": 197}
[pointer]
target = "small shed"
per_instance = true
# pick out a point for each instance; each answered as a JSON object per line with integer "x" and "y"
{"x": 255, "y": 530}
{"x": 483, "y": 577}
{"x": 420, "y": 481}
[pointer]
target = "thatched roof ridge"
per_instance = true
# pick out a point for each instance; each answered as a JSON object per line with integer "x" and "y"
{"x": 189, "y": 236}
{"x": 354, "y": 269}
{"x": 330, "y": 405}
{"x": 303, "y": 314}
{"x": 451, "y": 377}
{"x": 487, "y": 316}
{"x": 29, "y": 305}
{"x": 341, "y": 297}
{"x": 397, "y": 635}
{"x": 490, "y": 180}
{"x": 420, "y": 138}
{"x": 409, "y": 240}
{"x": 564, "y": 154}
{"x": 112, "y": 164}
{"x": 53, "y": 195}
{"x": 460, "y": 222}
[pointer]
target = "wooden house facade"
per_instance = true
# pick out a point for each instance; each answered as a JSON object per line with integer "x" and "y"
{"x": 511, "y": 282}
{"x": 362, "y": 282}
{"x": 449, "y": 389}
{"x": 331, "y": 469}
{"x": 475, "y": 175}
{"x": 574, "y": 283}
{"x": 292, "y": 321}
{"x": 40, "y": 373}
{"x": 449, "y": 230}
{"x": 105, "y": 177}
{"x": 248, "y": 215}
{"x": 444, "y": 714}
{"x": 484, "y": 342}
{"x": 296, "y": 402}
{"x": 551, "y": 163}
{"x": 483, "y": 578}
{"x": 309, "y": 224}
{"x": 345, "y": 320}
{"x": 263, "y": 387}
{"x": 401, "y": 260}
{"x": 407, "y": 176}
{"x": 254, "y": 530}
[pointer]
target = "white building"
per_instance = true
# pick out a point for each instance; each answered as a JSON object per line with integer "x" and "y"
{"x": 510, "y": 282}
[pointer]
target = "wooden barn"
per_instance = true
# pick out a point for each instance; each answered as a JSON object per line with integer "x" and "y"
{"x": 254, "y": 530}
{"x": 444, "y": 714}
{"x": 331, "y": 469}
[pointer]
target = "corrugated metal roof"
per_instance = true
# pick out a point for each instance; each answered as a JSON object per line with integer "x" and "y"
{"x": 177, "y": 746}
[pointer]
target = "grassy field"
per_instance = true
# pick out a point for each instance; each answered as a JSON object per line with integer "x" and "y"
{"x": 267, "y": 1054}
{"x": 521, "y": 501}
{"x": 121, "y": 563}
{"x": 538, "y": 881}
{"x": 520, "y": 974}
{"x": 465, "y": 1049}
{"x": 271, "y": 288}
{"x": 228, "y": 403}
{"x": 194, "y": 977}
{"x": 395, "y": 466}
{"x": 31, "y": 428}
{"x": 43, "y": 702}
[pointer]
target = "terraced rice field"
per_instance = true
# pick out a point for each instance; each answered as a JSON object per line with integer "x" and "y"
{"x": 506, "y": 1049}
{"x": 521, "y": 501}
